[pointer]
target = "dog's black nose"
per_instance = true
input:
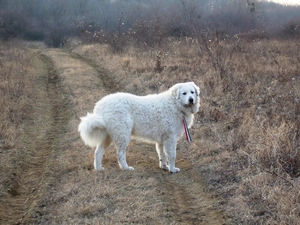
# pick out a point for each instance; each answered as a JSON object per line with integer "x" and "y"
{"x": 191, "y": 100}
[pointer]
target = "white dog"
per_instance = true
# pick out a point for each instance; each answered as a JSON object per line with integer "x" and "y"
{"x": 156, "y": 118}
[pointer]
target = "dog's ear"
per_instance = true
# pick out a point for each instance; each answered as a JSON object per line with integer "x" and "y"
{"x": 175, "y": 89}
{"x": 197, "y": 89}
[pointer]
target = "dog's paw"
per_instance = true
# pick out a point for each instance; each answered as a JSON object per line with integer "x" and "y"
{"x": 164, "y": 167}
{"x": 99, "y": 168}
{"x": 128, "y": 168}
{"x": 174, "y": 170}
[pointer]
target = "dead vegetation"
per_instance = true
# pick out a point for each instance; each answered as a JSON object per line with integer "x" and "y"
{"x": 244, "y": 158}
{"x": 15, "y": 91}
{"x": 246, "y": 135}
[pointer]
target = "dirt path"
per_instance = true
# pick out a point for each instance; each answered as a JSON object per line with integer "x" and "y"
{"x": 40, "y": 145}
{"x": 190, "y": 203}
{"x": 56, "y": 162}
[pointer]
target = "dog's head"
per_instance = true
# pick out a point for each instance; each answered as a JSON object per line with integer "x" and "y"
{"x": 187, "y": 94}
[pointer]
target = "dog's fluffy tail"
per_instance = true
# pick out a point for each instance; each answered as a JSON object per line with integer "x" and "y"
{"x": 92, "y": 129}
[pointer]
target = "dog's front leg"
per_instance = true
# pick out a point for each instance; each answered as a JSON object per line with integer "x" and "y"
{"x": 170, "y": 152}
{"x": 162, "y": 157}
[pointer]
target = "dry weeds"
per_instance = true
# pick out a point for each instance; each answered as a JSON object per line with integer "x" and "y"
{"x": 246, "y": 134}
{"x": 16, "y": 95}
{"x": 245, "y": 137}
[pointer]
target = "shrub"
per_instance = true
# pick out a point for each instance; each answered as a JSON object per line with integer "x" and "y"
{"x": 291, "y": 29}
{"x": 12, "y": 24}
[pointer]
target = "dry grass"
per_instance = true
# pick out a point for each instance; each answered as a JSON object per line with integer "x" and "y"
{"x": 16, "y": 95}
{"x": 246, "y": 134}
{"x": 245, "y": 137}
{"x": 15, "y": 76}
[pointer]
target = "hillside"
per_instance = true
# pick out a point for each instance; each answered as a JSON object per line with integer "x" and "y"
{"x": 241, "y": 168}
{"x": 48, "y": 175}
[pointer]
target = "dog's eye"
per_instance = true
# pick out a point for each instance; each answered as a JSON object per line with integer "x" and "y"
{"x": 184, "y": 93}
{"x": 192, "y": 92}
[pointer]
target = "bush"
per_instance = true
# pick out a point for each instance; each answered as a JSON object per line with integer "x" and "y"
{"x": 12, "y": 24}
{"x": 291, "y": 29}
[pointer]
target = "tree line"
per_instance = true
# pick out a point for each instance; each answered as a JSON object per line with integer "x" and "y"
{"x": 143, "y": 21}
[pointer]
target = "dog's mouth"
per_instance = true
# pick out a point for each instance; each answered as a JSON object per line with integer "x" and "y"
{"x": 188, "y": 105}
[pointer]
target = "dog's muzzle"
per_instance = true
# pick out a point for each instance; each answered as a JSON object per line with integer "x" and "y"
{"x": 190, "y": 104}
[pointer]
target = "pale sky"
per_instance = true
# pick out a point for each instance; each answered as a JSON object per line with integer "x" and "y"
{"x": 287, "y": 2}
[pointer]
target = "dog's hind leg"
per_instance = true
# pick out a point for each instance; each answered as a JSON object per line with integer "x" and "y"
{"x": 161, "y": 156}
{"x": 99, "y": 152}
{"x": 122, "y": 145}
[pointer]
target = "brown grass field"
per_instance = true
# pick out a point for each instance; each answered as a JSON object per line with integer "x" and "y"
{"x": 243, "y": 166}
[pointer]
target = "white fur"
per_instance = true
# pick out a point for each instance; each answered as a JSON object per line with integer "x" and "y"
{"x": 155, "y": 118}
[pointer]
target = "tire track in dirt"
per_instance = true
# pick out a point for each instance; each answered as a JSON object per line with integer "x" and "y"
{"x": 108, "y": 83}
{"x": 39, "y": 146}
{"x": 186, "y": 195}
{"x": 190, "y": 203}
